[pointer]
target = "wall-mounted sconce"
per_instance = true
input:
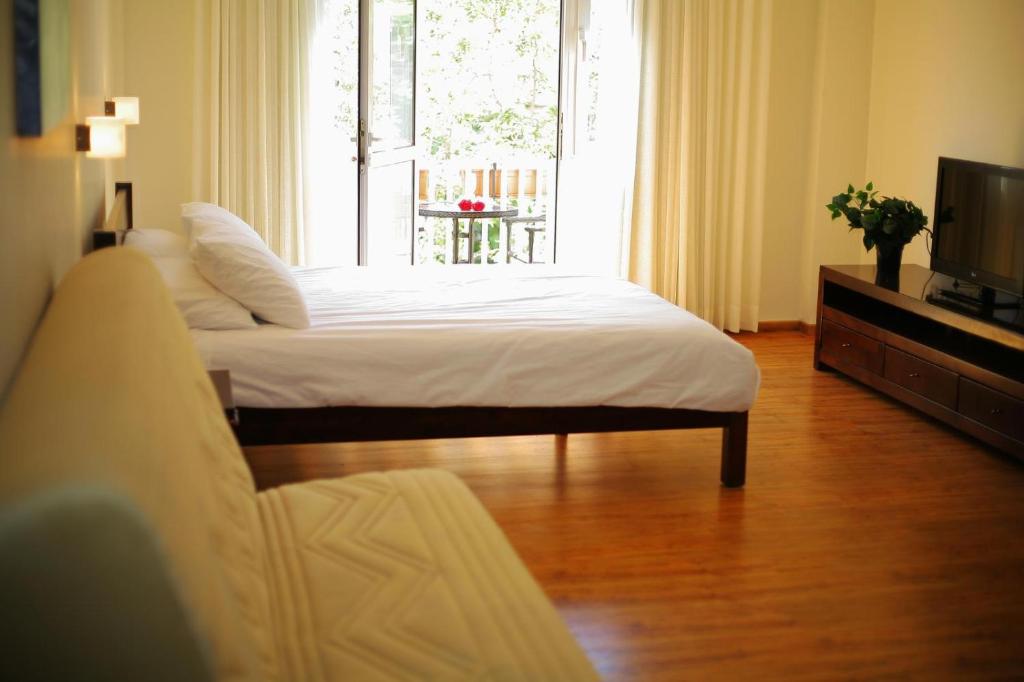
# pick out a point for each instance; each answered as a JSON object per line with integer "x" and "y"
{"x": 102, "y": 137}
{"x": 124, "y": 108}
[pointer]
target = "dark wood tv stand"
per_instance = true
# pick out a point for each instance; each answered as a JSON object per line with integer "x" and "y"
{"x": 964, "y": 371}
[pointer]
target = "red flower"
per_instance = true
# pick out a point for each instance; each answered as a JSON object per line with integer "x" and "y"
{"x": 479, "y": 205}
{"x": 465, "y": 205}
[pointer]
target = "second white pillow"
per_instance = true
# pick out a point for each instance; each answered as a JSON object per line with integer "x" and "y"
{"x": 156, "y": 243}
{"x": 200, "y": 303}
{"x": 237, "y": 262}
{"x": 202, "y": 306}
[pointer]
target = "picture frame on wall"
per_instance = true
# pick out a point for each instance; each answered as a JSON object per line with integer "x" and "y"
{"x": 42, "y": 64}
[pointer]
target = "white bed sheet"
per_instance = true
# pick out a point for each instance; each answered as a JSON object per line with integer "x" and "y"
{"x": 504, "y": 337}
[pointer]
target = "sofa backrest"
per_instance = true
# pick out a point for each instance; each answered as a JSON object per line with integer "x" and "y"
{"x": 113, "y": 396}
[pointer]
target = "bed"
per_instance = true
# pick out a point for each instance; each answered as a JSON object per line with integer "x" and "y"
{"x": 458, "y": 352}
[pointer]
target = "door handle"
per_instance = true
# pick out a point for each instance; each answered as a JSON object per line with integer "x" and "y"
{"x": 913, "y": 375}
{"x": 844, "y": 345}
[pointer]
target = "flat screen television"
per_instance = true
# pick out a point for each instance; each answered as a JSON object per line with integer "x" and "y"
{"x": 978, "y": 224}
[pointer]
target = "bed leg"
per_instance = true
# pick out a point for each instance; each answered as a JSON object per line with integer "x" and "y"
{"x": 734, "y": 451}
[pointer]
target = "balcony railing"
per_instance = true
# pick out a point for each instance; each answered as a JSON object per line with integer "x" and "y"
{"x": 522, "y": 183}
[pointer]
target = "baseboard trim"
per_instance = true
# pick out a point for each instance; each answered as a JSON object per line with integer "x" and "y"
{"x": 786, "y": 326}
{"x": 779, "y": 326}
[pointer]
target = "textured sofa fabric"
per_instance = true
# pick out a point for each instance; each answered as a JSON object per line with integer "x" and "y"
{"x": 383, "y": 576}
{"x": 405, "y": 576}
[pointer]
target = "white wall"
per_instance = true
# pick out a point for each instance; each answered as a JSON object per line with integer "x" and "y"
{"x": 893, "y": 85}
{"x": 794, "y": 31}
{"x": 818, "y": 113}
{"x": 159, "y": 69}
{"x": 839, "y": 136}
{"x": 948, "y": 80}
{"x": 52, "y": 196}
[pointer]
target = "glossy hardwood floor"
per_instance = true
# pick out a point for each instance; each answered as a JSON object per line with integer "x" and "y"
{"x": 869, "y": 543}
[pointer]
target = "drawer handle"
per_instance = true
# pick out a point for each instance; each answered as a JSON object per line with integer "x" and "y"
{"x": 914, "y": 375}
{"x": 995, "y": 410}
{"x": 844, "y": 345}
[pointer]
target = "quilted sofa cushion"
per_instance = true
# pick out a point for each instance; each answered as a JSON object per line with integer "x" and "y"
{"x": 112, "y": 395}
{"x": 404, "y": 576}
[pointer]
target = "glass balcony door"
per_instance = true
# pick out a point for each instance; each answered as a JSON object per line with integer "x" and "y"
{"x": 488, "y": 121}
{"x": 387, "y": 131}
{"x": 488, "y": 89}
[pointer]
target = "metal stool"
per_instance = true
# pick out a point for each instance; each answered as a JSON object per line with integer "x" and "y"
{"x": 531, "y": 234}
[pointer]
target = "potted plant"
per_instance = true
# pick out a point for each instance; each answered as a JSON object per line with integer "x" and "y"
{"x": 889, "y": 224}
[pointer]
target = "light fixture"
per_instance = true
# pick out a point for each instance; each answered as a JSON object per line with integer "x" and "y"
{"x": 102, "y": 137}
{"x": 124, "y": 108}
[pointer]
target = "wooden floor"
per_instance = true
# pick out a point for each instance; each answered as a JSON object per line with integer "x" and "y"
{"x": 870, "y": 542}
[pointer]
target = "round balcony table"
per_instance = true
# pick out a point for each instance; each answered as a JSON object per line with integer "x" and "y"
{"x": 451, "y": 210}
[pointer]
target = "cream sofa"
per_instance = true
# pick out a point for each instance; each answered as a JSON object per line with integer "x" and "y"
{"x": 133, "y": 544}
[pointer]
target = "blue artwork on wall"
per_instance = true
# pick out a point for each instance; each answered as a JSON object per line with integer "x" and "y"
{"x": 42, "y": 64}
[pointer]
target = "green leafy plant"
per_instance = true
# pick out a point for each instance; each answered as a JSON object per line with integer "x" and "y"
{"x": 889, "y": 223}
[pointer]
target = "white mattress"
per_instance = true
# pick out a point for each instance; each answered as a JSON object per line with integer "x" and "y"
{"x": 504, "y": 337}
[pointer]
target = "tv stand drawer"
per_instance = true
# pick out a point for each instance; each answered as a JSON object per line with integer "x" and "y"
{"x": 843, "y": 346}
{"x": 921, "y": 377}
{"x": 994, "y": 409}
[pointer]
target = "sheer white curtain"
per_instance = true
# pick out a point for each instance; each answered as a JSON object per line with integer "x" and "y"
{"x": 601, "y": 65}
{"x": 252, "y": 126}
{"x": 699, "y": 202}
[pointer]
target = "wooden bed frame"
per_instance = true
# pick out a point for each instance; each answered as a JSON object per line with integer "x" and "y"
{"x": 282, "y": 426}
{"x": 274, "y": 426}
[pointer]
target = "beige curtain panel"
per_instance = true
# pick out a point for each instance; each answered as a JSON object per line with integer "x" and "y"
{"x": 252, "y": 131}
{"x": 699, "y": 197}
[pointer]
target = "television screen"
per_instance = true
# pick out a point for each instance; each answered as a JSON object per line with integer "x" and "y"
{"x": 979, "y": 224}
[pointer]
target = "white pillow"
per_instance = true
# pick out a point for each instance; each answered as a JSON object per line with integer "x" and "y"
{"x": 235, "y": 260}
{"x": 202, "y": 306}
{"x": 197, "y": 210}
{"x": 157, "y": 243}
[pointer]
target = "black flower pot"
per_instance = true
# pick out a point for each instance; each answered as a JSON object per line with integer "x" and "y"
{"x": 887, "y": 270}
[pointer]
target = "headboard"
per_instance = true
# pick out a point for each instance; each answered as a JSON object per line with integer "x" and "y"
{"x": 119, "y": 219}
